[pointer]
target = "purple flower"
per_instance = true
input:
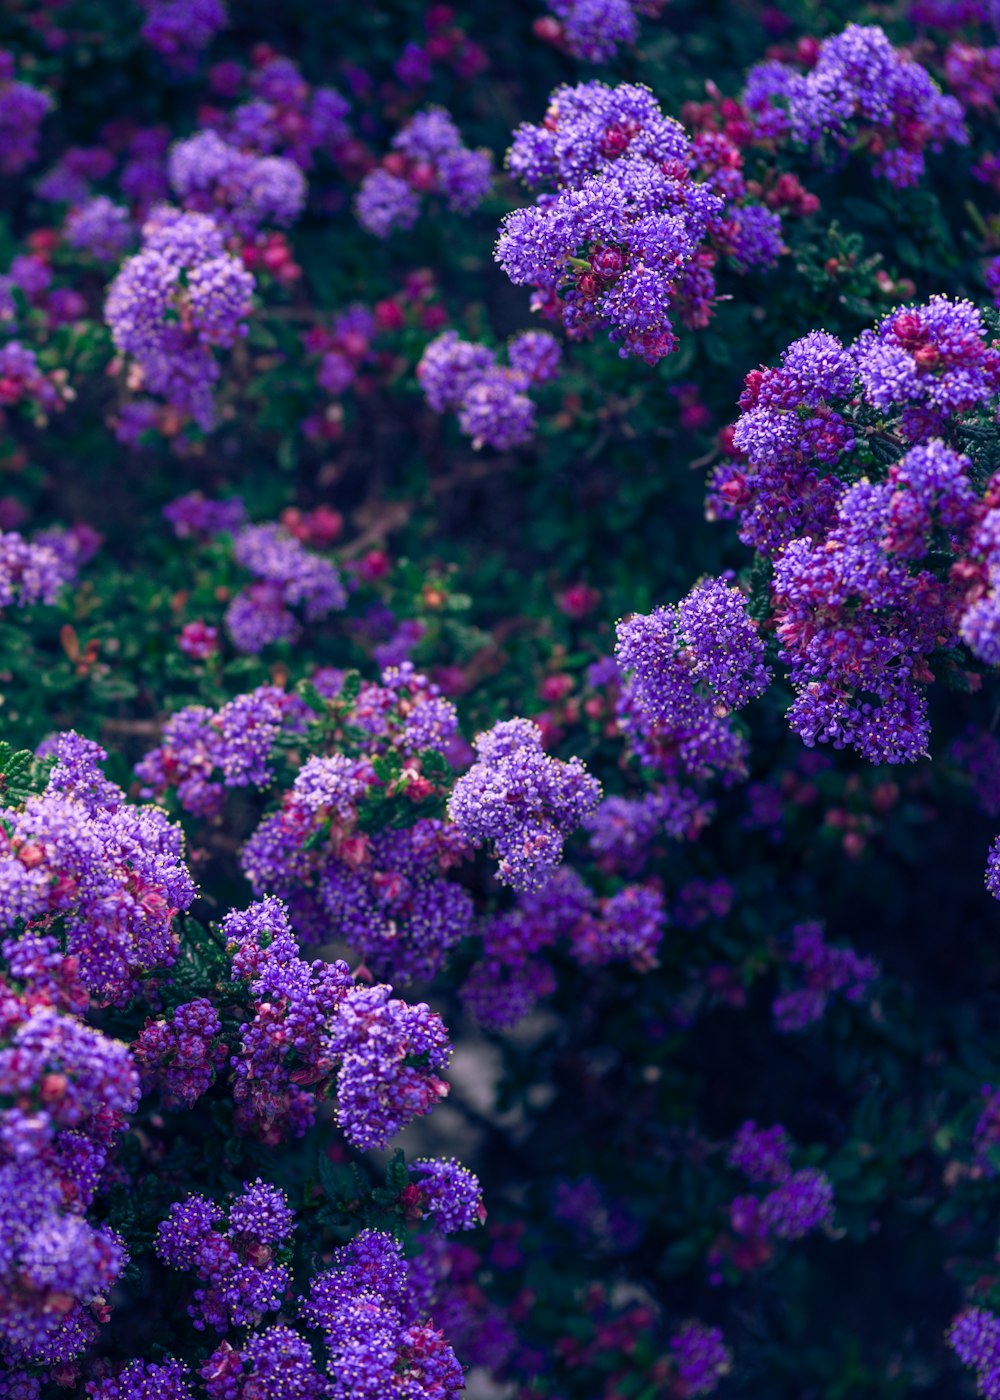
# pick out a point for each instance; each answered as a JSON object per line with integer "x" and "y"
{"x": 22, "y": 110}
{"x": 230, "y": 1258}
{"x": 762, "y": 1154}
{"x": 180, "y": 29}
{"x": 390, "y": 1054}
{"x": 100, "y": 227}
{"x": 448, "y": 1194}
{"x": 974, "y": 1336}
{"x": 700, "y": 1356}
{"x": 523, "y": 801}
{"x": 137, "y": 1381}
{"x": 859, "y": 86}
{"x": 175, "y": 300}
{"x": 801, "y": 1203}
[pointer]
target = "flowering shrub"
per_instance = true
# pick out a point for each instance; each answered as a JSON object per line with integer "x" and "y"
{"x": 499, "y": 791}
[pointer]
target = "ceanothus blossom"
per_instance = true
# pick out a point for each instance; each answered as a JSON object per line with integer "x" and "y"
{"x": 177, "y": 300}
{"x": 523, "y": 801}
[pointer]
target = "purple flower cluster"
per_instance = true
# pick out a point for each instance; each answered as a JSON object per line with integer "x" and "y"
{"x": 22, "y": 110}
{"x": 825, "y": 971}
{"x": 180, "y": 29}
{"x": 523, "y": 801}
{"x": 24, "y": 382}
{"x": 243, "y": 192}
{"x": 687, "y": 668}
{"x": 624, "y": 830}
{"x": 974, "y": 1336}
{"x": 513, "y": 974}
{"x": 100, "y": 227}
{"x": 31, "y": 571}
{"x": 491, "y": 401}
{"x": 275, "y": 1362}
{"x": 139, "y": 1381}
{"x": 594, "y": 30}
{"x": 622, "y": 239}
{"x": 288, "y": 576}
{"x": 174, "y": 302}
{"x": 182, "y": 1055}
{"x": 284, "y": 114}
{"x": 390, "y": 1055}
{"x": 701, "y": 1358}
{"x": 65, "y": 1089}
{"x": 203, "y": 752}
{"x": 799, "y": 1201}
{"x": 282, "y": 1069}
{"x": 198, "y": 515}
{"x": 445, "y": 1192}
{"x": 860, "y": 604}
{"x": 861, "y": 93}
{"x": 106, "y": 876}
{"x": 427, "y": 157}
{"x": 233, "y": 1254}
{"x": 369, "y": 1318}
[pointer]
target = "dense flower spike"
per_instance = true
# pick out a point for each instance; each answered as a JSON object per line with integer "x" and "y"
{"x": 150, "y": 1381}
{"x": 825, "y": 971}
{"x": 428, "y": 157}
{"x": 445, "y": 1192}
{"x": 701, "y": 1357}
{"x": 107, "y": 876}
{"x": 594, "y": 30}
{"x": 201, "y": 754}
{"x": 230, "y": 1254}
{"x": 289, "y": 576}
{"x": 624, "y": 239}
{"x": 859, "y": 608}
{"x": 22, "y": 111}
{"x": 243, "y": 192}
{"x": 284, "y": 1065}
{"x": 522, "y": 801}
{"x": 859, "y": 92}
{"x": 174, "y": 302}
{"x": 491, "y": 403}
{"x": 180, "y": 29}
{"x": 389, "y": 1055}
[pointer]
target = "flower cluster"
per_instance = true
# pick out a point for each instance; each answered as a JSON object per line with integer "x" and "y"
{"x": 106, "y": 877}
{"x": 860, "y": 604}
{"x": 446, "y": 1192}
{"x": 233, "y": 1254}
{"x": 686, "y": 669}
{"x": 825, "y": 970}
{"x": 288, "y": 576}
{"x": 367, "y": 1309}
{"x": 243, "y": 192}
{"x": 859, "y": 93}
{"x": 490, "y": 400}
{"x": 181, "y": 1056}
{"x": 798, "y": 1202}
{"x": 173, "y": 303}
{"x": 523, "y": 801}
{"x": 624, "y": 238}
{"x": 65, "y": 1089}
{"x": 390, "y": 1056}
{"x": 22, "y": 110}
{"x": 427, "y": 157}
{"x": 594, "y": 30}
{"x": 975, "y": 1338}
{"x": 513, "y": 972}
{"x": 283, "y": 114}
{"x": 203, "y": 752}
{"x": 180, "y": 29}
